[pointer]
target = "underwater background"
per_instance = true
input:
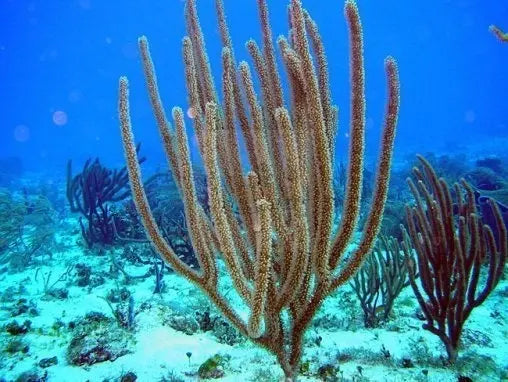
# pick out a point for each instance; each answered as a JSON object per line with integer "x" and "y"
{"x": 85, "y": 297}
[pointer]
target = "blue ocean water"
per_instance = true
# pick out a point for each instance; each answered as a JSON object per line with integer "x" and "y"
{"x": 60, "y": 63}
{"x": 67, "y": 56}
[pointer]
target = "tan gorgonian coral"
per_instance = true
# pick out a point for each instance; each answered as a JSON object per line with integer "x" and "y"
{"x": 496, "y": 31}
{"x": 272, "y": 226}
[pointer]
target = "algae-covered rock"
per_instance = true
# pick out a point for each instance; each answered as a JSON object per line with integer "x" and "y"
{"x": 213, "y": 367}
{"x": 98, "y": 338}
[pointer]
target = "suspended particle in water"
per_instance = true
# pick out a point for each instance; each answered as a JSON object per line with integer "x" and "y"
{"x": 75, "y": 96}
{"x": 21, "y": 133}
{"x": 85, "y": 4}
{"x": 469, "y": 116}
{"x": 60, "y": 118}
{"x": 191, "y": 112}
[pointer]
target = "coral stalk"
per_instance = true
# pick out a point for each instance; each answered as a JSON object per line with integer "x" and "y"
{"x": 278, "y": 245}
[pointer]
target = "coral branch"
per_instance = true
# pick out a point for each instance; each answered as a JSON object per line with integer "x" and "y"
{"x": 272, "y": 226}
{"x": 502, "y": 36}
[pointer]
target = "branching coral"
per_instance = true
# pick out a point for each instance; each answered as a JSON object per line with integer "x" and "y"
{"x": 272, "y": 227}
{"x": 380, "y": 280}
{"x": 92, "y": 192}
{"x": 12, "y": 215}
{"x": 27, "y": 228}
{"x": 451, "y": 244}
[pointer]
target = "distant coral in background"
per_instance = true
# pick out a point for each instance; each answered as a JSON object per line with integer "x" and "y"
{"x": 380, "y": 280}
{"x": 12, "y": 213}
{"x": 92, "y": 193}
{"x": 27, "y": 228}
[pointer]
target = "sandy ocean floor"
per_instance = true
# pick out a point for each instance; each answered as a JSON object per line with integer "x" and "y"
{"x": 399, "y": 350}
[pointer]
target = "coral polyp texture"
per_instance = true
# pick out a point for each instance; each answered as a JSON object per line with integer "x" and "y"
{"x": 270, "y": 224}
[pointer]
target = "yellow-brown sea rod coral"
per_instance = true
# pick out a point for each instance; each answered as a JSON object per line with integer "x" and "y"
{"x": 271, "y": 225}
{"x": 502, "y": 36}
